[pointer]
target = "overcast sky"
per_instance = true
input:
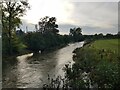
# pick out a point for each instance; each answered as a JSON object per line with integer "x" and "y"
{"x": 93, "y": 17}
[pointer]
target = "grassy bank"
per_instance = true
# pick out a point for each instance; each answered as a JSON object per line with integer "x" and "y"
{"x": 101, "y": 49}
{"x": 101, "y": 63}
{"x": 110, "y": 44}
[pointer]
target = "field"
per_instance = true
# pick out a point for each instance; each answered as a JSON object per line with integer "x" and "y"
{"x": 101, "y": 60}
{"x": 110, "y": 44}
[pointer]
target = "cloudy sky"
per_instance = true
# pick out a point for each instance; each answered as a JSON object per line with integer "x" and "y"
{"x": 93, "y": 16}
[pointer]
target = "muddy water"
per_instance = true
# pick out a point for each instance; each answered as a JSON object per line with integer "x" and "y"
{"x": 33, "y": 72}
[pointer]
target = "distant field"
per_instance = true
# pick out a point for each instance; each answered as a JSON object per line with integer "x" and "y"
{"x": 110, "y": 44}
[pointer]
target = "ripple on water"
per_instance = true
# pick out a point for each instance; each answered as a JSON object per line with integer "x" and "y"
{"x": 33, "y": 72}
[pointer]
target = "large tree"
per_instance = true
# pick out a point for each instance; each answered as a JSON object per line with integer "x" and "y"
{"x": 76, "y": 34}
{"x": 48, "y": 24}
{"x": 11, "y": 13}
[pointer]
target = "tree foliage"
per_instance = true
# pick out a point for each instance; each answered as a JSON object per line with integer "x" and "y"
{"x": 11, "y": 13}
{"x": 46, "y": 36}
{"x": 47, "y": 24}
{"x": 76, "y": 34}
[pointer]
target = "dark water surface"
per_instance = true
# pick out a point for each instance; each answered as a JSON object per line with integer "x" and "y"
{"x": 33, "y": 72}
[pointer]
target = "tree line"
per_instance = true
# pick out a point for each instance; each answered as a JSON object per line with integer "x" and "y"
{"x": 46, "y": 36}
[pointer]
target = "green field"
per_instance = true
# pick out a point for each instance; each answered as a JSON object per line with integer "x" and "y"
{"x": 110, "y": 44}
{"x": 101, "y": 60}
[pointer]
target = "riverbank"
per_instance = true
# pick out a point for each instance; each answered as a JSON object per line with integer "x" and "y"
{"x": 34, "y": 71}
{"x": 99, "y": 62}
{"x": 26, "y": 51}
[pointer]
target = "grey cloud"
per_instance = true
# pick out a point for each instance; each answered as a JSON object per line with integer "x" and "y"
{"x": 64, "y": 28}
{"x": 93, "y": 17}
{"x": 94, "y": 10}
{"x": 94, "y": 30}
{"x": 103, "y": 15}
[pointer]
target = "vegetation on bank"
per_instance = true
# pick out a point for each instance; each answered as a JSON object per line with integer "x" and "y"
{"x": 97, "y": 65}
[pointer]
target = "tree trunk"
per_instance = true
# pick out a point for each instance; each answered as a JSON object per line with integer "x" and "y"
{"x": 9, "y": 31}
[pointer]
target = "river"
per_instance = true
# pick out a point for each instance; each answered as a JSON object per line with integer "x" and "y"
{"x": 33, "y": 72}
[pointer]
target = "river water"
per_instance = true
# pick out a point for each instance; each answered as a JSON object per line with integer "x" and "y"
{"x": 33, "y": 72}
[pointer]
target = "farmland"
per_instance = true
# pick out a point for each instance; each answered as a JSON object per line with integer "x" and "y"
{"x": 100, "y": 60}
{"x": 110, "y": 44}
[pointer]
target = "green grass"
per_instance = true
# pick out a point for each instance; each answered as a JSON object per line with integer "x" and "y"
{"x": 110, "y": 44}
{"x": 99, "y": 58}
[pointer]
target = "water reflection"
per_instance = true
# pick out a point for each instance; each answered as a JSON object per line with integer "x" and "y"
{"x": 34, "y": 71}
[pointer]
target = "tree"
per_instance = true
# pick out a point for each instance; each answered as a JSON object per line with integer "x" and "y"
{"x": 100, "y": 35}
{"x": 119, "y": 33}
{"x": 48, "y": 24}
{"x": 11, "y": 13}
{"x": 52, "y": 26}
{"x": 76, "y": 34}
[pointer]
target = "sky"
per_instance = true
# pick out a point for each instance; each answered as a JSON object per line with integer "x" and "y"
{"x": 93, "y": 16}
